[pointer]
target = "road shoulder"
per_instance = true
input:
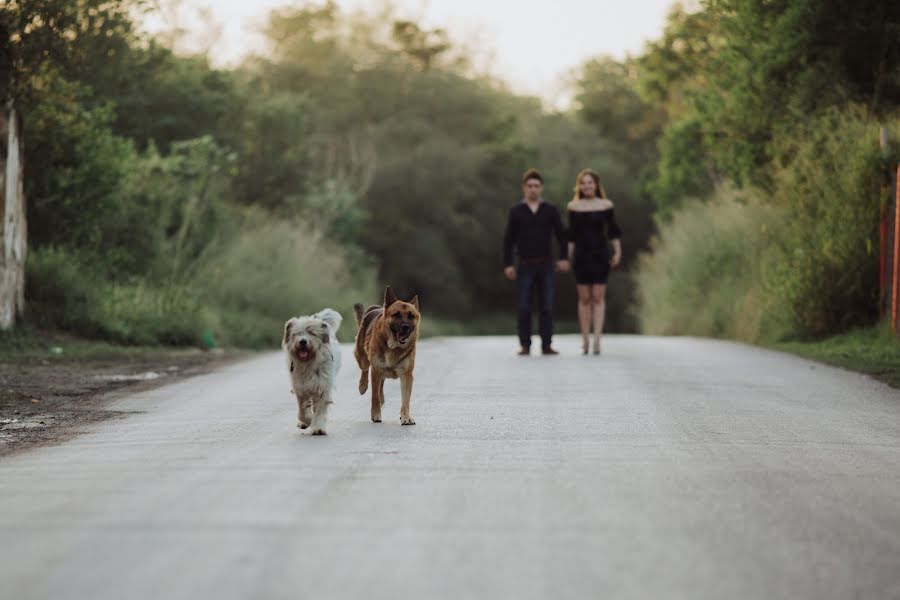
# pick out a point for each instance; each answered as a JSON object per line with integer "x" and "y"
{"x": 49, "y": 397}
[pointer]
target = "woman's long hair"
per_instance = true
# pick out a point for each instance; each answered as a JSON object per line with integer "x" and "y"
{"x": 601, "y": 193}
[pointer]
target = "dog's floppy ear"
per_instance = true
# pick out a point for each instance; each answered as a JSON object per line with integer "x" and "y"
{"x": 415, "y": 301}
{"x": 389, "y": 296}
{"x": 287, "y": 331}
{"x": 332, "y": 317}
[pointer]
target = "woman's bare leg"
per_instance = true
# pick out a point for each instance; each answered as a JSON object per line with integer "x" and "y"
{"x": 584, "y": 314}
{"x": 598, "y": 301}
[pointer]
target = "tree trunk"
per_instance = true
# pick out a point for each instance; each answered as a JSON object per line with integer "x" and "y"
{"x": 13, "y": 231}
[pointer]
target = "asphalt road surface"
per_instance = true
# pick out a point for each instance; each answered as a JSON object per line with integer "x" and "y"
{"x": 667, "y": 468}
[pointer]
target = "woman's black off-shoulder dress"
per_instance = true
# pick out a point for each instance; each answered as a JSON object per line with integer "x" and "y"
{"x": 591, "y": 232}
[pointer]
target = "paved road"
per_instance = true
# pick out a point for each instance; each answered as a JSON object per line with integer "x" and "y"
{"x": 668, "y": 468}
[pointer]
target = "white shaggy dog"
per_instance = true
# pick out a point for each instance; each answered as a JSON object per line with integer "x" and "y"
{"x": 314, "y": 358}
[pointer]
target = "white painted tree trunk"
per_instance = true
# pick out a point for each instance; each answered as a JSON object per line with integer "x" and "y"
{"x": 13, "y": 231}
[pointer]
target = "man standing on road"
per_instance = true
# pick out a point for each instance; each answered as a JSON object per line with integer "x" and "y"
{"x": 530, "y": 228}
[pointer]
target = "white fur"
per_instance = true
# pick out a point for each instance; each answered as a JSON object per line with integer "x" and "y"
{"x": 334, "y": 320}
{"x": 313, "y": 380}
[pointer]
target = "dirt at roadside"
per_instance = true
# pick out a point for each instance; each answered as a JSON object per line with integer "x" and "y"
{"x": 46, "y": 401}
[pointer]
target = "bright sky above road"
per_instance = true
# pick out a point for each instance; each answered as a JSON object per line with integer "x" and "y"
{"x": 531, "y": 44}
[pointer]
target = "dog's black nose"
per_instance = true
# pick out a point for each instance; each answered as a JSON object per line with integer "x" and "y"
{"x": 404, "y": 329}
{"x": 303, "y": 343}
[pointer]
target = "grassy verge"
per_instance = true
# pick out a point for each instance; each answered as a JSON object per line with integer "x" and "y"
{"x": 873, "y": 351}
{"x": 26, "y": 344}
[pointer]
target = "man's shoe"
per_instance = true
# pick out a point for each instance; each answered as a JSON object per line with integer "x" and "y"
{"x": 524, "y": 351}
{"x": 549, "y": 351}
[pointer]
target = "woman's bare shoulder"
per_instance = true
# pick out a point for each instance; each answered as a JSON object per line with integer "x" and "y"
{"x": 590, "y": 205}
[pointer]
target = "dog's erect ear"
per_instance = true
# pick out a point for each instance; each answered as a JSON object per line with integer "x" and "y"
{"x": 287, "y": 331}
{"x": 415, "y": 301}
{"x": 389, "y": 296}
{"x": 332, "y": 317}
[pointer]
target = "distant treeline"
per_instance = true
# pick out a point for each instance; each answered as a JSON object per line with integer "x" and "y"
{"x": 167, "y": 198}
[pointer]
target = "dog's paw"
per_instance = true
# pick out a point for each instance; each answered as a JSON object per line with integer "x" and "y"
{"x": 302, "y": 425}
{"x": 318, "y": 432}
{"x": 363, "y": 382}
{"x": 407, "y": 421}
{"x": 376, "y": 418}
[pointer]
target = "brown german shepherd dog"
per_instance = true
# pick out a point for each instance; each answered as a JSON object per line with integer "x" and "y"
{"x": 386, "y": 344}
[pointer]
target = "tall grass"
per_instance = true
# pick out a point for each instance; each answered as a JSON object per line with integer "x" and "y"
{"x": 702, "y": 274}
{"x": 872, "y": 350}
{"x": 68, "y": 292}
{"x": 276, "y": 270}
{"x": 178, "y": 261}
{"x": 240, "y": 292}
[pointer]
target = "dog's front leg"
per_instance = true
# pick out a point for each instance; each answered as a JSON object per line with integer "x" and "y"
{"x": 304, "y": 412}
{"x": 320, "y": 418}
{"x": 406, "y": 381}
{"x": 377, "y": 394}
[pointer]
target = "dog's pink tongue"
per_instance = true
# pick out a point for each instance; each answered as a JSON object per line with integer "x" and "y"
{"x": 303, "y": 354}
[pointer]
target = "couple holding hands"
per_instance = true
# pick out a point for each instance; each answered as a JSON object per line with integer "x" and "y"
{"x": 530, "y": 229}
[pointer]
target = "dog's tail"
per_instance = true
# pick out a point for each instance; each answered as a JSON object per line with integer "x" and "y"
{"x": 360, "y": 351}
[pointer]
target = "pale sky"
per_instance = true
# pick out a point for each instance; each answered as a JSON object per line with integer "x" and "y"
{"x": 531, "y": 44}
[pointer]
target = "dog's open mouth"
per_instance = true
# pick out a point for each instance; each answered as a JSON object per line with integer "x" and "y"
{"x": 402, "y": 332}
{"x": 304, "y": 354}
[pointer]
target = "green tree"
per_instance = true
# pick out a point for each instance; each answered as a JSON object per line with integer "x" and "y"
{"x": 607, "y": 98}
{"x": 39, "y": 40}
{"x": 421, "y": 45}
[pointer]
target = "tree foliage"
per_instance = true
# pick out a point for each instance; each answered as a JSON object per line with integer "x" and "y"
{"x": 355, "y": 142}
{"x": 731, "y": 91}
{"x": 783, "y": 98}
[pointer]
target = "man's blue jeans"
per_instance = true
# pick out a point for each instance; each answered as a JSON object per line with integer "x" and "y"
{"x": 541, "y": 276}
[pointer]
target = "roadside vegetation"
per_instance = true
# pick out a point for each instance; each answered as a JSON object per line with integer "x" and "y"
{"x": 869, "y": 350}
{"x": 173, "y": 203}
{"x": 769, "y": 181}
{"x": 176, "y": 202}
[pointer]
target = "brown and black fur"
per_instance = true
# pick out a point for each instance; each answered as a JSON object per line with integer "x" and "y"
{"x": 381, "y": 349}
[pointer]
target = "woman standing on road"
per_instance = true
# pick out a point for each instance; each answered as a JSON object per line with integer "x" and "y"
{"x": 592, "y": 225}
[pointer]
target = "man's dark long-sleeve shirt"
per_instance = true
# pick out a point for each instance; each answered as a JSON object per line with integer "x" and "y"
{"x": 531, "y": 233}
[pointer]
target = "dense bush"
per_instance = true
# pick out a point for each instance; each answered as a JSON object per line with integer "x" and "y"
{"x": 61, "y": 291}
{"x": 267, "y": 271}
{"x": 179, "y": 261}
{"x": 705, "y": 271}
{"x": 826, "y": 256}
{"x": 67, "y": 292}
{"x": 798, "y": 129}
{"x": 801, "y": 262}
